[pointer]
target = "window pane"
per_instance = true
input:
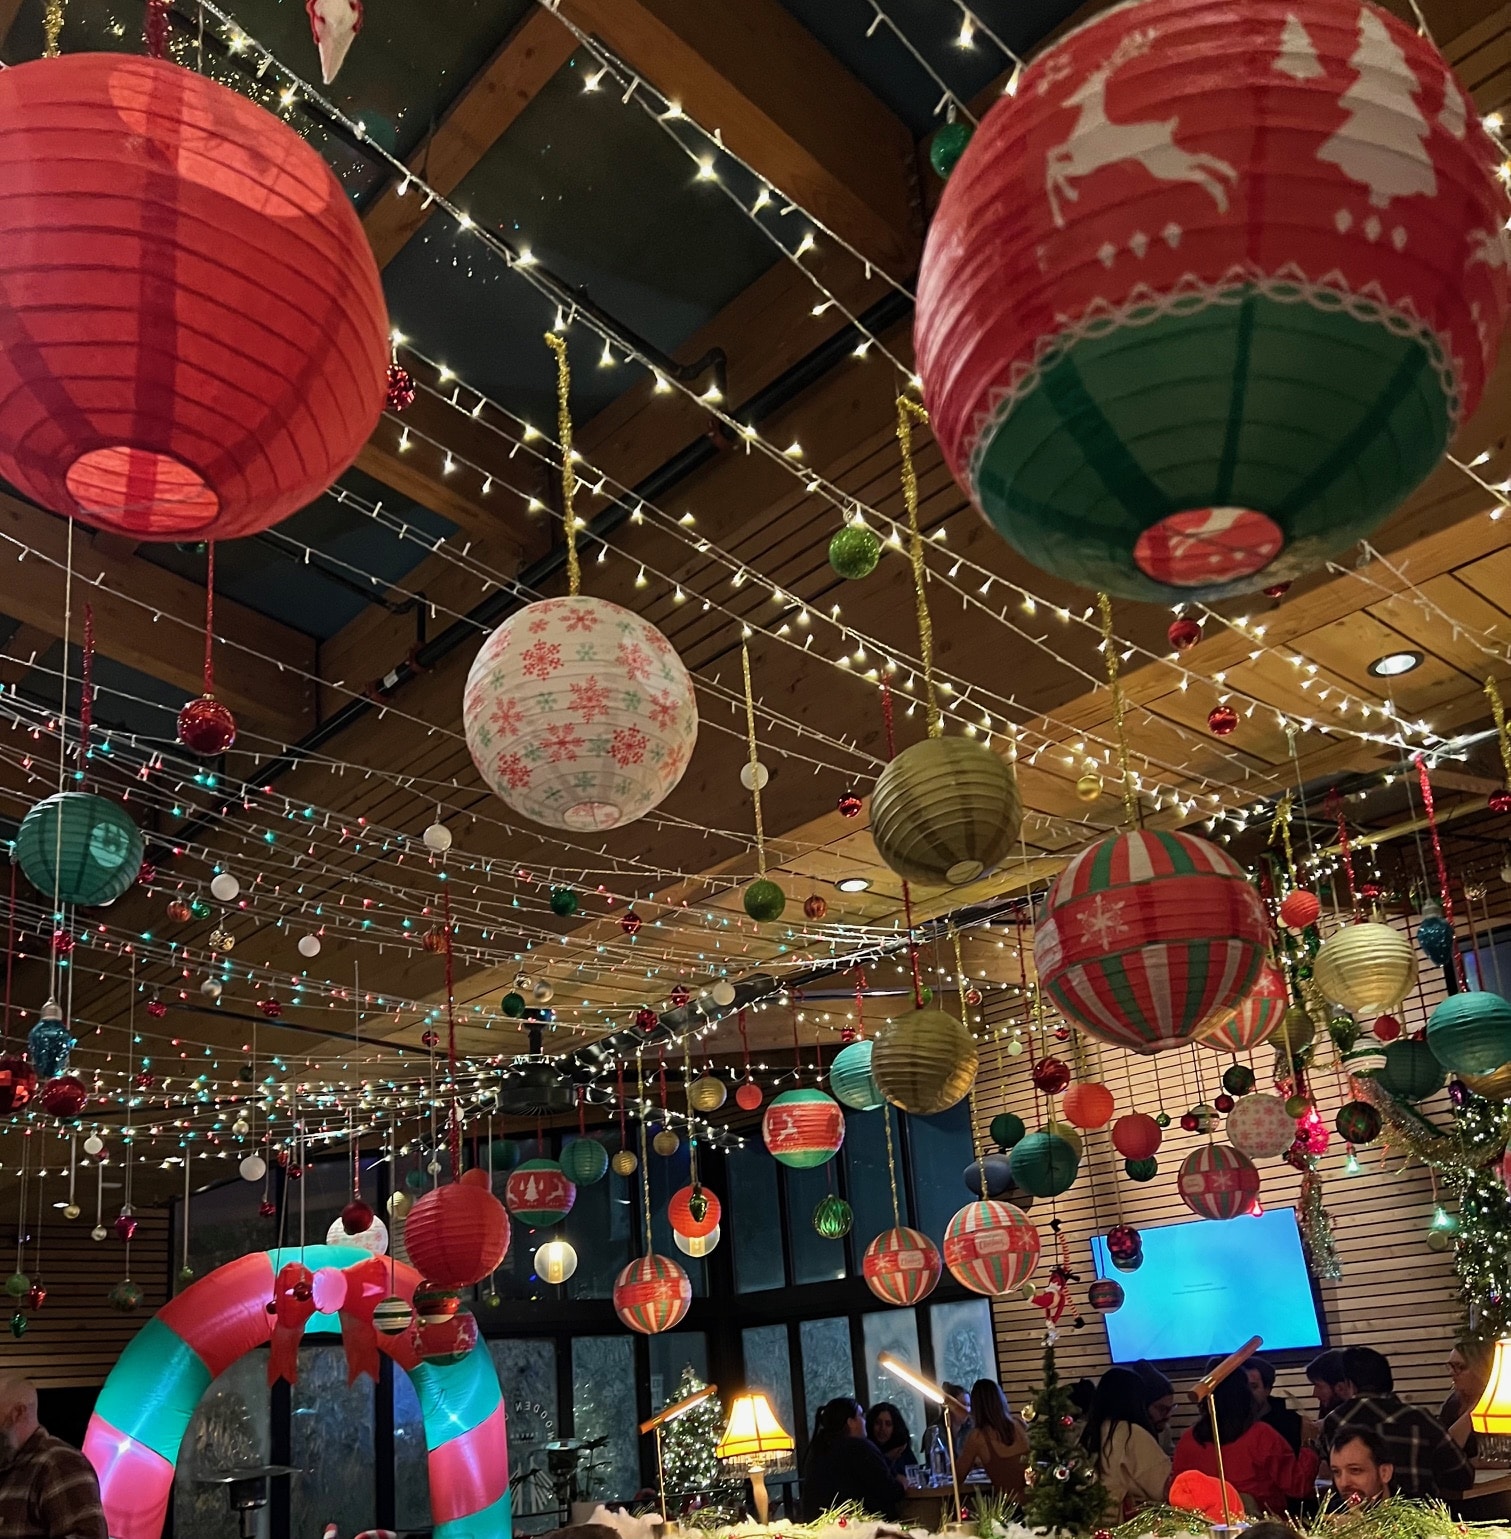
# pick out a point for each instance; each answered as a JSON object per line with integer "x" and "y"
{"x": 670, "y": 1354}
{"x": 964, "y": 1350}
{"x": 527, "y": 1376}
{"x": 894, "y": 1331}
{"x": 600, "y": 1227}
{"x": 939, "y": 1149}
{"x": 865, "y": 1155}
{"x": 229, "y": 1431}
{"x": 768, "y": 1367}
{"x": 814, "y": 1259}
{"x": 331, "y": 1440}
{"x": 603, "y": 1405}
{"x": 828, "y": 1368}
{"x": 411, "y": 1474}
{"x": 752, "y": 1201}
{"x": 515, "y": 1279}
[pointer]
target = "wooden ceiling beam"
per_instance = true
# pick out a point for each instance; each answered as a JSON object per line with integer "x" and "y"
{"x": 22, "y": 649}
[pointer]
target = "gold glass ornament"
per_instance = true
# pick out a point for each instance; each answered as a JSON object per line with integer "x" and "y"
{"x": 624, "y": 1163}
{"x": 1367, "y": 968}
{"x": 666, "y": 1142}
{"x": 222, "y": 940}
{"x": 1089, "y": 786}
{"x": 1495, "y": 1086}
{"x": 706, "y": 1093}
{"x": 924, "y": 1061}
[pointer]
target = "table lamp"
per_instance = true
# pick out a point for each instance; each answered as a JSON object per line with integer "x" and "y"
{"x": 930, "y": 1391}
{"x": 755, "y": 1444}
{"x": 1491, "y": 1417}
{"x": 662, "y": 1419}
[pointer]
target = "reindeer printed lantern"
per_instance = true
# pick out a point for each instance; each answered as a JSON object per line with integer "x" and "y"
{"x": 1207, "y": 297}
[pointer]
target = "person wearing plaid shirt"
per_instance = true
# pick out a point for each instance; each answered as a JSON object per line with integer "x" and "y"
{"x": 48, "y": 1489}
{"x": 1427, "y": 1462}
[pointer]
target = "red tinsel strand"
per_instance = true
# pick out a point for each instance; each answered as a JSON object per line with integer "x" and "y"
{"x": 10, "y": 952}
{"x": 454, "y": 1132}
{"x": 860, "y": 1001}
{"x": 210, "y": 618}
{"x": 1445, "y": 892}
{"x": 582, "y": 1119}
{"x": 1334, "y": 804}
{"x": 797, "y": 1046}
{"x": 155, "y": 28}
{"x": 86, "y": 688}
{"x": 907, "y": 896}
{"x": 661, "y": 1074}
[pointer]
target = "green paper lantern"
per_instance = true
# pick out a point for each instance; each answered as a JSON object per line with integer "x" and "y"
{"x": 764, "y": 901}
{"x": 854, "y": 551}
{"x": 1471, "y": 1033}
{"x": 513, "y": 1005}
{"x": 1044, "y": 1164}
{"x": 563, "y": 902}
{"x": 833, "y": 1218}
{"x": 100, "y": 848}
{"x": 506, "y": 1153}
{"x": 1006, "y": 1130}
{"x": 1141, "y": 1170}
{"x": 947, "y": 146}
{"x": 585, "y": 1161}
{"x": 850, "y": 1078}
{"x": 1411, "y": 1072}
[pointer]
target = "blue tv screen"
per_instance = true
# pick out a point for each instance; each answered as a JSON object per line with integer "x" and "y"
{"x": 1209, "y": 1285}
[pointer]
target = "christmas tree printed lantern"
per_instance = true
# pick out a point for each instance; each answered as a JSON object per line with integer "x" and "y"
{"x": 539, "y": 1194}
{"x": 803, "y": 1128}
{"x": 1145, "y": 936}
{"x": 1208, "y": 296}
{"x": 652, "y": 1294}
{"x": 901, "y": 1266}
{"x": 1218, "y": 1182}
{"x": 1254, "y": 1020}
{"x": 991, "y": 1247}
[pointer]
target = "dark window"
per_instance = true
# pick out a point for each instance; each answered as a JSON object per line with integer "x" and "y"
{"x": 753, "y": 1222}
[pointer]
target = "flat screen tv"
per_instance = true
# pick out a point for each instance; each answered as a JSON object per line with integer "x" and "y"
{"x": 1208, "y": 1285}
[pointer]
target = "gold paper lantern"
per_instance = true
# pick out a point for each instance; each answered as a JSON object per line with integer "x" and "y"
{"x": 624, "y": 1163}
{"x": 706, "y": 1094}
{"x": 666, "y": 1142}
{"x": 1495, "y": 1086}
{"x": 945, "y": 811}
{"x": 1367, "y": 968}
{"x": 924, "y": 1061}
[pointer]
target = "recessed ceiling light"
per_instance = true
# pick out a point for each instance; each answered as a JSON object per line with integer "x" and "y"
{"x": 853, "y": 884}
{"x": 1393, "y": 664}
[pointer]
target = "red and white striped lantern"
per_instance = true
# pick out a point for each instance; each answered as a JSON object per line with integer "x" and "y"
{"x": 1216, "y": 1181}
{"x": 652, "y": 1294}
{"x": 991, "y": 1247}
{"x": 1256, "y": 1017}
{"x": 901, "y": 1266}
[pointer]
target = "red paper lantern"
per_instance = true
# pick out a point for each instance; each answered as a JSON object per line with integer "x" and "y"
{"x": 991, "y": 1247}
{"x": 1136, "y": 1136}
{"x": 803, "y": 1128}
{"x": 652, "y": 1294}
{"x": 1216, "y": 1181}
{"x": 1300, "y": 908}
{"x": 64, "y": 1097}
{"x": 1222, "y": 721}
{"x": 1255, "y": 1019}
{"x": 901, "y": 1266}
{"x": 679, "y": 1213}
{"x": 224, "y": 361}
{"x": 1087, "y": 1106}
{"x": 748, "y": 1096}
{"x": 456, "y": 1235}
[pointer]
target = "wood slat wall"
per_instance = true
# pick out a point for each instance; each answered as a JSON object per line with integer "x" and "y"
{"x": 1395, "y": 1294}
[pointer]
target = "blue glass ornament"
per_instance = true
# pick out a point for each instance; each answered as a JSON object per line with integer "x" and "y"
{"x": 49, "y": 1045}
{"x": 1435, "y": 937}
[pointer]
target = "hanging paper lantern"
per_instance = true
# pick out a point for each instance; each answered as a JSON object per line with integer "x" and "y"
{"x": 833, "y": 1218}
{"x": 1147, "y": 935}
{"x": 1367, "y": 968}
{"x": 1105, "y": 1295}
{"x": 584, "y": 1161}
{"x": 1218, "y": 1182}
{"x": 1136, "y": 1136}
{"x": 1411, "y": 1071}
{"x": 1299, "y": 909}
{"x": 443, "y": 1332}
{"x": 1254, "y": 1020}
{"x": 697, "y": 1246}
{"x": 455, "y": 1235}
{"x": 1087, "y": 1105}
{"x": 991, "y": 1248}
{"x": 748, "y": 1096}
{"x": 764, "y": 901}
{"x": 1260, "y": 1127}
{"x": 1206, "y": 352}
{"x": 803, "y": 1128}
{"x": 228, "y": 361}
{"x": 579, "y": 714}
{"x": 538, "y": 1193}
{"x": 707, "y": 1093}
{"x": 1469, "y": 1033}
{"x": 850, "y": 1077}
{"x": 555, "y": 1261}
{"x": 624, "y": 1162}
{"x": 95, "y": 856}
{"x": 924, "y": 1061}
{"x": 1357, "y": 1122}
{"x": 1141, "y": 1170}
{"x": 989, "y": 1175}
{"x": 1044, "y": 1164}
{"x": 945, "y": 811}
{"x": 694, "y": 1211}
{"x": 63, "y": 1097}
{"x": 1494, "y": 1087}
{"x": 1006, "y": 1129}
{"x": 666, "y": 1143}
{"x": 855, "y": 551}
{"x": 901, "y": 1266}
{"x": 652, "y": 1294}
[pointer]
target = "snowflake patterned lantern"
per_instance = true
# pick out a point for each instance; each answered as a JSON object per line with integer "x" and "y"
{"x": 1146, "y": 936}
{"x": 1209, "y": 294}
{"x": 1218, "y": 1182}
{"x": 579, "y": 714}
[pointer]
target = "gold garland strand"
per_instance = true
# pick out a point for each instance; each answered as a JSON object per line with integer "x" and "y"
{"x": 645, "y": 1169}
{"x": 909, "y": 412}
{"x": 1282, "y": 827}
{"x": 755, "y": 763}
{"x": 886, "y": 1122}
{"x": 52, "y": 28}
{"x": 1492, "y": 689}
{"x": 978, "y": 1138}
{"x": 558, "y": 346}
{"x": 1110, "y": 652}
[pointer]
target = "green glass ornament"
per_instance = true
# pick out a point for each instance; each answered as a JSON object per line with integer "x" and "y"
{"x": 1141, "y": 1170}
{"x": 764, "y": 901}
{"x": 563, "y": 902}
{"x": 513, "y": 1005}
{"x": 1238, "y": 1079}
{"x": 1006, "y": 1130}
{"x": 200, "y": 908}
{"x": 947, "y": 146}
{"x": 17, "y": 1284}
{"x": 1358, "y": 1122}
{"x": 1163, "y": 1118}
{"x": 855, "y": 551}
{"x": 415, "y": 1180}
{"x": 833, "y": 1217}
{"x": 493, "y": 1301}
{"x": 185, "y": 1275}
{"x": 18, "y": 1325}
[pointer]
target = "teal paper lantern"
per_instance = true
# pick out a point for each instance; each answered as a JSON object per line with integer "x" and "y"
{"x": 506, "y": 1154}
{"x": 585, "y": 1161}
{"x": 1044, "y": 1164}
{"x": 1412, "y": 1071}
{"x": 1471, "y": 1033}
{"x": 92, "y": 859}
{"x": 850, "y": 1078}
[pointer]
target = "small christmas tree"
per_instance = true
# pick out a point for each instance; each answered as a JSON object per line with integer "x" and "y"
{"x": 687, "y": 1444}
{"x": 1064, "y": 1493}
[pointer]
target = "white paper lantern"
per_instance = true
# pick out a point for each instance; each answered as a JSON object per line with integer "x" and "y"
{"x": 373, "y": 1239}
{"x": 1260, "y": 1126}
{"x": 437, "y": 837}
{"x": 224, "y": 886}
{"x": 697, "y": 1245}
{"x": 723, "y": 992}
{"x": 579, "y": 714}
{"x": 555, "y": 1261}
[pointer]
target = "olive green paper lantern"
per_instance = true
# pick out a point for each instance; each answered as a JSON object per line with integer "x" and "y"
{"x": 1367, "y": 968}
{"x": 93, "y": 858}
{"x": 1044, "y": 1164}
{"x": 764, "y": 901}
{"x": 924, "y": 1061}
{"x": 833, "y": 1218}
{"x": 945, "y": 811}
{"x": 1470, "y": 1033}
{"x": 854, "y": 552}
{"x": 585, "y": 1161}
{"x": 1411, "y": 1072}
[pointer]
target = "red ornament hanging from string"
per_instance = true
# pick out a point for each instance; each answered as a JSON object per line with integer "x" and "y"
{"x": 205, "y": 726}
{"x": 1222, "y": 720}
{"x": 1183, "y": 634}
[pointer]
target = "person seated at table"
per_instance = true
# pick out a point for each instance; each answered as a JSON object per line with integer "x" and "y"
{"x": 961, "y": 1427}
{"x": 1270, "y": 1407}
{"x": 998, "y": 1443}
{"x": 1120, "y": 1438}
{"x": 1469, "y": 1368}
{"x": 886, "y": 1428}
{"x": 1361, "y": 1466}
{"x": 1159, "y": 1396}
{"x": 1427, "y": 1462}
{"x": 1255, "y": 1458}
{"x": 844, "y": 1465}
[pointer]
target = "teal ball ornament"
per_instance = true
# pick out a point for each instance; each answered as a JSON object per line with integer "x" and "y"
{"x": 764, "y": 901}
{"x": 585, "y": 1161}
{"x": 1044, "y": 1164}
{"x": 1412, "y": 1071}
{"x": 850, "y": 1079}
{"x": 1006, "y": 1130}
{"x": 855, "y": 551}
{"x": 49, "y": 1044}
{"x": 1471, "y": 1033}
{"x": 947, "y": 146}
{"x": 415, "y": 1181}
{"x": 80, "y": 847}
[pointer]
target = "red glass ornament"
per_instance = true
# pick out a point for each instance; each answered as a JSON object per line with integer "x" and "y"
{"x": 1387, "y": 1028}
{"x": 296, "y": 1172}
{"x": 156, "y": 1009}
{"x": 630, "y": 922}
{"x": 1050, "y": 1075}
{"x": 748, "y": 1096}
{"x": 1276, "y": 590}
{"x": 1222, "y": 720}
{"x": 179, "y": 912}
{"x": 434, "y": 940}
{"x": 1123, "y": 1242}
{"x": 400, "y": 388}
{"x": 973, "y": 997}
{"x": 646, "y": 1019}
{"x": 301, "y": 1292}
{"x": 1184, "y": 634}
{"x": 679, "y": 997}
{"x": 147, "y": 873}
{"x": 266, "y": 1209}
{"x": 1500, "y": 801}
{"x": 36, "y": 1296}
{"x": 1189, "y": 1122}
{"x": 63, "y": 1097}
{"x": 850, "y": 805}
{"x": 125, "y": 1227}
{"x": 206, "y": 727}
{"x": 1224, "y": 1103}
{"x": 1369, "y": 891}
{"x": 228, "y": 362}
{"x": 815, "y": 906}
{"x": 430, "y": 1039}
{"x": 62, "y": 942}
{"x": 356, "y": 1217}
{"x": 17, "y": 1082}
{"x": 1299, "y": 909}
{"x": 270, "y": 1008}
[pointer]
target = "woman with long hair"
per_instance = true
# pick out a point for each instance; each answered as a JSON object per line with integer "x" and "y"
{"x": 1256, "y": 1459}
{"x": 843, "y": 1465}
{"x": 1119, "y": 1436}
{"x": 999, "y": 1441}
{"x": 886, "y": 1428}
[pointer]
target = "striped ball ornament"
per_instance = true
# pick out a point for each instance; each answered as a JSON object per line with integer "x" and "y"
{"x": 991, "y": 1247}
{"x": 803, "y": 1128}
{"x": 1147, "y": 935}
{"x": 851, "y": 1080}
{"x": 901, "y": 1266}
{"x": 1254, "y": 1020}
{"x": 1216, "y": 1181}
{"x": 652, "y": 1294}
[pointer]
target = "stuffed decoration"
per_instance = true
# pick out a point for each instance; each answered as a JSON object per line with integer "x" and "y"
{"x": 1194, "y": 1492}
{"x": 335, "y": 23}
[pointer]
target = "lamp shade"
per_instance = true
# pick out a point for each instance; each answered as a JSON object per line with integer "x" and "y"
{"x": 1367, "y": 968}
{"x": 901, "y": 1266}
{"x": 456, "y": 1234}
{"x": 652, "y": 1294}
{"x": 753, "y": 1438}
{"x": 803, "y": 1128}
{"x": 924, "y": 1061}
{"x": 1492, "y": 1415}
{"x": 850, "y": 1077}
{"x": 226, "y": 358}
{"x": 1254, "y": 1019}
{"x": 579, "y": 714}
{"x": 82, "y": 847}
{"x": 1147, "y": 935}
{"x": 1470, "y": 1033}
{"x": 991, "y": 1247}
{"x": 1208, "y": 295}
